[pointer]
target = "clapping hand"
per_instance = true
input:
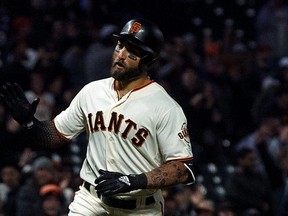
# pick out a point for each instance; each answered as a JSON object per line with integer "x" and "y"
{"x": 14, "y": 99}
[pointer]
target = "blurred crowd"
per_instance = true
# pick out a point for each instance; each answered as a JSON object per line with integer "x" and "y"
{"x": 229, "y": 72}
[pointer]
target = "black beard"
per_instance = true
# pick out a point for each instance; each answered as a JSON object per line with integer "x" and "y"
{"x": 128, "y": 74}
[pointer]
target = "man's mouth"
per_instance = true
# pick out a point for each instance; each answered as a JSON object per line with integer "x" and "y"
{"x": 119, "y": 65}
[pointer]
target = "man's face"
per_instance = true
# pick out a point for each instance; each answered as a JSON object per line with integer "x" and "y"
{"x": 10, "y": 176}
{"x": 44, "y": 176}
{"x": 248, "y": 162}
{"x": 51, "y": 205}
{"x": 125, "y": 62}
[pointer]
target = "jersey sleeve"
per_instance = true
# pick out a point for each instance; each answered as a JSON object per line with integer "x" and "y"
{"x": 71, "y": 122}
{"x": 174, "y": 140}
{"x": 173, "y": 136}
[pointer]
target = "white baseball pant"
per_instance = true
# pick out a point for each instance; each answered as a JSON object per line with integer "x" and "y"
{"x": 87, "y": 203}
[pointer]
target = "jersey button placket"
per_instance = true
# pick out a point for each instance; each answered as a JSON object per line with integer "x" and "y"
{"x": 110, "y": 160}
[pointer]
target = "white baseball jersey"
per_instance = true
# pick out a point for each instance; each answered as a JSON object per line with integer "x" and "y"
{"x": 134, "y": 134}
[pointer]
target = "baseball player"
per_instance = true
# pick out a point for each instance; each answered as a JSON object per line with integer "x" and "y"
{"x": 138, "y": 138}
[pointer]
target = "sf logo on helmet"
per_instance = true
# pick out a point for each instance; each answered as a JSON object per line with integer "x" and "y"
{"x": 135, "y": 27}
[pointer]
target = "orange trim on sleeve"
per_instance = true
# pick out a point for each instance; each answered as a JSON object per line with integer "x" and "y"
{"x": 182, "y": 159}
{"x": 60, "y": 134}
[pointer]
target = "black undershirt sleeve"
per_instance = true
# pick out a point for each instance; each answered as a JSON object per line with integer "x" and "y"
{"x": 44, "y": 133}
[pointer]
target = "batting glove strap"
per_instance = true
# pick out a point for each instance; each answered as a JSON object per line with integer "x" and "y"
{"x": 138, "y": 181}
{"x": 28, "y": 125}
{"x": 110, "y": 183}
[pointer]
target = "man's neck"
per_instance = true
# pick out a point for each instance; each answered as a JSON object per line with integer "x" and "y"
{"x": 123, "y": 87}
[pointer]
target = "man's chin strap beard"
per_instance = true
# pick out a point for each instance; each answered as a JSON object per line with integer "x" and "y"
{"x": 129, "y": 75}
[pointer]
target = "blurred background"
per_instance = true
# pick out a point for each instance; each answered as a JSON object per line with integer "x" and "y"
{"x": 224, "y": 62}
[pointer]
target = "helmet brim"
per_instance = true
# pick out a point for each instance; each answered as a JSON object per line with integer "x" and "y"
{"x": 134, "y": 41}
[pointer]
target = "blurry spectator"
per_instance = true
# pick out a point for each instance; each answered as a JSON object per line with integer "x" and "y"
{"x": 281, "y": 100}
{"x": 266, "y": 131}
{"x": 198, "y": 193}
{"x": 172, "y": 62}
{"x": 205, "y": 207}
{"x": 97, "y": 61}
{"x": 15, "y": 71}
{"x": 184, "y": 200}
{"x": 57, "y": 87}
{"x": 11, "y": 139}
{"x": 52, "y": 201}
{"x": 284, "y": 205}
{"x": 190, "y": 85}
{"x": 27, "y": 56}
{"x": 272, "y": 26}
{"x": 225, "y": 209}
{"x": 38, "y": 90}
{"x": 277, "y": 169}
{"x": 177, "y": 201}
{"x": 263, "y": 67}
{"x": 74, "y": 61}
{"x": 211, "y": 46}
{"x": 268, "y": 112}
{"x": 27, "y": 155}
{"x": 67, "y": 180}
{"x": 247, "y": 187}
{"x": 252, "y": 212}
{"x": 181, "y": 196}
{"x": 282, "y": 72}
{"x": 11, "y": 176}
{"x": 239, "y": 87}
{"x": 198, "y": 99}
{"x": 28, "y": 197}
{"x": 272, "y": 100}
{"x": 283, "y": 161}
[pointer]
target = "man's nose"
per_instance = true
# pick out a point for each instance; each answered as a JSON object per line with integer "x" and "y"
{"x": 122, "y": 54}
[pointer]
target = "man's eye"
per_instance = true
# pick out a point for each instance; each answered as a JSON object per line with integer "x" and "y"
{"x": 132, "y": 56}
{"x": 118, "y": 47}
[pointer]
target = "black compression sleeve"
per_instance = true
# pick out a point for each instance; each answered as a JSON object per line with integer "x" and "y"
{"x": 45, "y": 134}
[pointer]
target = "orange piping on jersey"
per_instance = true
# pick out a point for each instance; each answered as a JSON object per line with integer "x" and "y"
{"x": 59, "y": 133}
{"x": 118, "y": 96}
{"x": 151, "y": 81}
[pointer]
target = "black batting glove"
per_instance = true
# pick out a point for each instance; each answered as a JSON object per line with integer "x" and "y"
{"x": 14, "y": 99}
{"x": 110, "y": 183}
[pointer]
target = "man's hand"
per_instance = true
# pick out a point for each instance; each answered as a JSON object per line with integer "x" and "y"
{"x": 13, "y": 97}
{"x": 110, "y": 183}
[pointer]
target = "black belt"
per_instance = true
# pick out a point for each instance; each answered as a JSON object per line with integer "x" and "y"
{"x": 119, "y": 203}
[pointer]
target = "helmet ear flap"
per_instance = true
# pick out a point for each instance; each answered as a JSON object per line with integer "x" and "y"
{"x": 146, "y": 62}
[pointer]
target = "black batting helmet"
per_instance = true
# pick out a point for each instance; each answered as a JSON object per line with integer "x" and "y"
{"x": 145, "y": 35}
